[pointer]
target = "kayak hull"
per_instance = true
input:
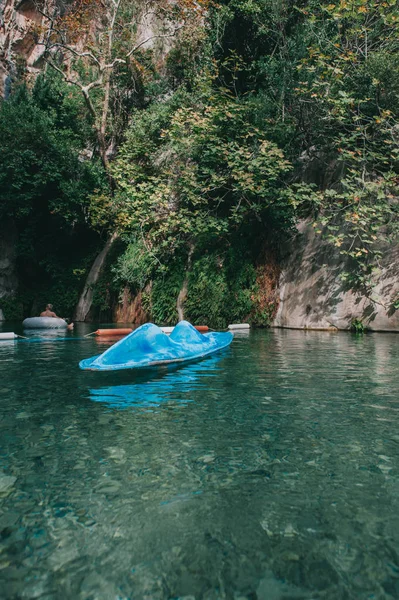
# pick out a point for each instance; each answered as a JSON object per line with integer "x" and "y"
{"x": 44, "y": 323}
{"x": 149, "y": 346}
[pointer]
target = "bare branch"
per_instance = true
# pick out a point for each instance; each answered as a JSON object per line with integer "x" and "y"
{"x": 64, "y": 75}
{"x": 57, "y": 45}
{"x": 152, "y": 37}
{"x": 93, "y": 84}
{"x": 84, "y": 89}
{"x": 115, "y": 62}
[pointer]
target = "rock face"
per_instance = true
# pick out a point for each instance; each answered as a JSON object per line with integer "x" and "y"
{"x": 130, "y": 309}
{"x": 312, "y": 296}
{"x": 8, "y": 278}
{"x": 21, "y": 20}
{"x": 23, "y": 28}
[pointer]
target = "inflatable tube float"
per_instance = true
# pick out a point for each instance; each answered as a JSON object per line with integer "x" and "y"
{"x": 149, "y": 346}
{"x": 8, "y": 335}
{"x": 44, "y": 323}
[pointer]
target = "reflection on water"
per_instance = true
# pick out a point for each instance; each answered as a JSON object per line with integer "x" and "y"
{"x": 46, "y": 333}
{"x": 171, "y": 384}
{"x": 268, "y": 472}
{"x": 7, "y": 349}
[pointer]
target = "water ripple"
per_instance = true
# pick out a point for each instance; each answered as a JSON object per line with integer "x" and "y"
{"x": 270, "y": 471}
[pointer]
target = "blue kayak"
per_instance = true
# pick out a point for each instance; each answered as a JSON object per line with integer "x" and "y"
{"x": 148, "y": 346}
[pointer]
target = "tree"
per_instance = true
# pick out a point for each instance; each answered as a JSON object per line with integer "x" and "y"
{"x": 195, "y": 172}
{"x": 45, "y": 183}
{"x": 100, "y": 49}
{"x": 326, "y": 81}
{"x": 40, "y": 145}
{"x": 348, "y": 96}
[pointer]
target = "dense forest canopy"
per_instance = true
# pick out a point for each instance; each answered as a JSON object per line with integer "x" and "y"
{"x": 200, "y": 150}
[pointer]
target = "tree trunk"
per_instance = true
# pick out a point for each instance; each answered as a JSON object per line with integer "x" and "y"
{"x": 86, "y": 297}
{"x": 181, "y": 298}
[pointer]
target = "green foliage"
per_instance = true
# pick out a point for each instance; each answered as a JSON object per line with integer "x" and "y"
{"x": 193, "y": 172}
{"x": 45, "y": 180}
{"x": 357, "y": 326}
{"x": 349, "y": 87}
{"x": 262, "y": 314}
{"x": 220, "y": 289}
{"x": 136, "y": 266}
{"x": 187, "y": 56}
{"x": 58, "y": 278}
{"x": 12, "y": 308}
{"x": 161, "y": 303}
{"x": 221, "y": 286}
{"x": 355, "y": 218}
{"x": 266, "y": 113}
{"x": 108, "y": 286}
{"x": 326, "y": 82}
{"x": 40, "y": 166}
{"x": 196, "y": 172}
{"x": 288, "y": 81}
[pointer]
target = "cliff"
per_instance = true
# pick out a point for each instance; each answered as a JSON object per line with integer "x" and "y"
{"x": 313, "y": 296}
{"x": 23, "y": 27}
{"x": 20, "y": 51}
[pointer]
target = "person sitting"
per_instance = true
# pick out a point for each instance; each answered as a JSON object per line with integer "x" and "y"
{"x": 49, "y": 313}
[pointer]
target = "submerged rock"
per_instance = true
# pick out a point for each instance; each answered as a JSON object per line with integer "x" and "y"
{"x": 6, "y": 483}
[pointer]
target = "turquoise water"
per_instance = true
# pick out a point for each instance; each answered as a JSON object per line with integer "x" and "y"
{"x": 268, "y": 472}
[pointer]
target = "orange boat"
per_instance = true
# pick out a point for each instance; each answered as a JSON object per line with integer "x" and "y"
{"x": 117, "y": 331}
{"x": 120, "y": 331}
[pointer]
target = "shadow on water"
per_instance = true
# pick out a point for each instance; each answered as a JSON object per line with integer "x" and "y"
{"x": 155, "y": 386}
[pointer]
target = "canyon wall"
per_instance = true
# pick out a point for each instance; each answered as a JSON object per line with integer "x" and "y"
{"x": 313, "y": 296}
{"x": 23, "y": 28}
{"x": 20, "y": 51}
